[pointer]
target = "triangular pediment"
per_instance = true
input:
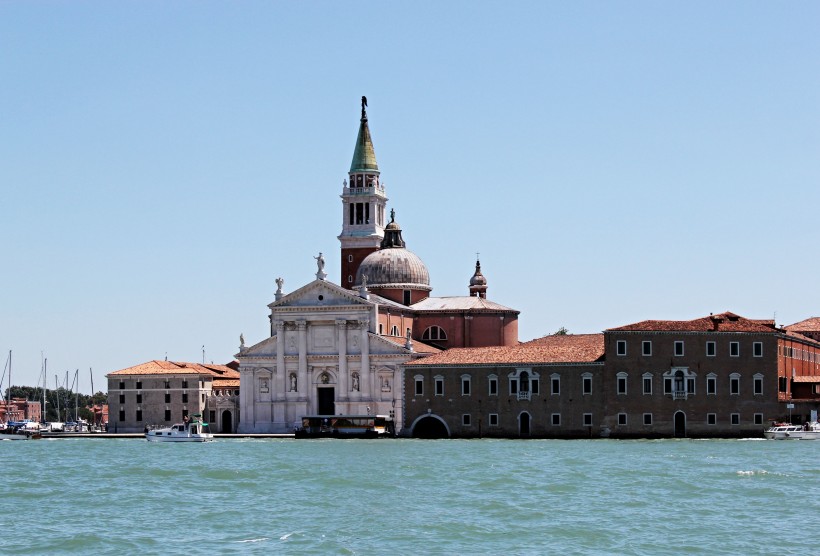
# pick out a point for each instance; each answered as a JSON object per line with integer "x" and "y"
{"x": 266, "y": 347}
{"x": 320, "y": 293}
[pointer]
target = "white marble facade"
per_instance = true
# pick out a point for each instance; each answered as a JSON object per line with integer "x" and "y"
{"x": 322, "y": 357}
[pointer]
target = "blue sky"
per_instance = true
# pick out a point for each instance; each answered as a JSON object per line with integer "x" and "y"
{"x": 162, "y": 163}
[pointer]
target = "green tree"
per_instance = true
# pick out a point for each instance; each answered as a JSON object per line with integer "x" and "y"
{"x": 561, "y": 332}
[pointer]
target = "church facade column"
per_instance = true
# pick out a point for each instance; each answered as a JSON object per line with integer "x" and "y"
{"x": 302, "y": 378}
{"x": 280, "y": 385}
{"x": 365, "y": 382}
{"x": 344, "y": 390}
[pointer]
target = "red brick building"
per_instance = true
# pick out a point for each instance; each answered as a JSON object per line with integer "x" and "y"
{"x": 18, "y": 409}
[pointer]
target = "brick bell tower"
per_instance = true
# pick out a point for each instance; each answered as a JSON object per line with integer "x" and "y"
{"x": 363, "y": 205}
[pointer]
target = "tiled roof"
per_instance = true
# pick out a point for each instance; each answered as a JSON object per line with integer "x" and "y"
{"x": 418, "y": 347}
{"x": 808, "y": 325}
{"x": 569, "y": 348}
{"x": 158, "y": 367}
{"x": 807, "y": 378}
{"x": 222, "y": 383}
{"x": 724, "y": 322}
{"x": 459, "y": 303}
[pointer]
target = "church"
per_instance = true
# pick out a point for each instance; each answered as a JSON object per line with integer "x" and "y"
{"x": 339, "y": 349}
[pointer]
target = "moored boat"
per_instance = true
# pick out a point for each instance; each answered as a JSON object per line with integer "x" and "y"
{"x": 345, "y": 426}
{"x": 808, "y": 431}
{"x": 782, "y": 431}
{"x": 189, "y": 431}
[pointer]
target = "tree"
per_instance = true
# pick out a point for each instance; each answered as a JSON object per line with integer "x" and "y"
{"x": 561, "y": 332}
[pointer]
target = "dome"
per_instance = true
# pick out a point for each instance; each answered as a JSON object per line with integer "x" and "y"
{"x": 394, "y": 267}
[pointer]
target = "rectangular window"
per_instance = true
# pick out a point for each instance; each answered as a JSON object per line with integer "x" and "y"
{"x": 139, "y": 398}
{"x": 678, "y": 348}
{"x": 122, "y": 415}
{"x": 381, "y": 329}
{"x": 513, "y": 386}
{"x": 407, "y": 297}
{"x": 647, "y": 385}
{"x": 139, "y": 415}
{"x": 735, "y": 418}
{"x": 556, "y": 386}
{"x": 493, "y": 386}
{"x": 758, "y": 386}
{"x": 711, "y": 419}
{"x": 646, "y": 347}
{"x": 167, "y": 397}
{"x": 758, "y": 418}
{"x": 587, "y": 419}
{"x": 122, "y": 398}
{"x": 711, "y": 349}
{"x": 184, "y": 413}
{"x": 122, "y": 385}
{"x": 621, "y": 385}
{"x": 167, "y": 414}
{"x": 419, "y": 386}
{"x": 647, "y": 418}
{"x": 439, "y": 386}
{"x": 465, "y": 386}
{"x": 734, "y": 349}
{"x": 185, "y": 397}
{"x": 556, "y": 419}
{"x": 493, "y": 419}
{"x": 622, "y": 419}
{"x": 534, "y": 386}
{"x": 185, "y": 384}
{"x": 620, "y": 347}
{"x": 757, "y": 349}
{"x": 690, "y": 386}
{"x": 465, "y": 420}
{"x": 139, "y": 385}
{"x": 587, "y": 385}
{"x": 167, "y": 383}
{"x": 734, "y": 386}
{"x": 667, "y": 385}
{"x": 711, "y": 385}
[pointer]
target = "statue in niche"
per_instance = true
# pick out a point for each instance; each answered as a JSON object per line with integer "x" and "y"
{"x": 355, "y": 382}
{"x": 292, "y": 343}
{"x": 263, "y": 385}
{"x": 386, "y": 385}
{"x": 355, "y": 341}
{"x": 325, "y": 379}
{"x": 292, "y": 382}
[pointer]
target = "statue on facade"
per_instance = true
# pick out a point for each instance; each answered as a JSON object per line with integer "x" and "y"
{"x": 320, "y": 263}
{"x": 292, "y": 382}
{"x": 279, "y": 283}
{"x": 355, "y": 382}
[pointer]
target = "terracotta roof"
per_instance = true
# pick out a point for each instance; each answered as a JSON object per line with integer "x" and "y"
{"x": 222, "y": 383}
{"x": 418, "y": 347}
{"x": 459, "y": 303}
{"x": 724, "y": 322}
{"x": 808, "y": 325}
{"x": 569, "y": 348}
{"x": 159, "y": 367}
{"x": 806, "y": 379}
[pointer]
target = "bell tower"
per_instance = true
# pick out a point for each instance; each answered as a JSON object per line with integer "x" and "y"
{"x": 363, "y": 205}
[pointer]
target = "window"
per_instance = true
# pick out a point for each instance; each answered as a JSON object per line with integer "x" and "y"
{"x": 167, "y": 397}
{"x": 647, "y": 418}
{"x": 620, "y": 347}
{"x": 734, "y": 349}
{"x": 647, "y": 383}
{"x": 534, "y": 385}
{"x": 757, "y": 349}
{"x": 139, "y": 385}
{"x": 185, "y": 397}
{"x": 167, "y": 383}
{"x": 758, "y": 381}
{"x": 465, "y": 385}
{"x": 758, "y": 418}
{"x": 711, "y": 350}
{"x": 622, "y": 419}
{"x": 678, "y": 348}
{"x": 465, "y": 420}
{"x": 646, "y": 347}
{"x": 212, "y": 416}
{"x": 587, "y": 383}
{"x": 139, "y": 415}
{"x": 185, "y": 384}
{"x": 556, "y": 419}
{"x": 419, "y": 380}
{"x": 711, "y": 384}
{"x": 407, "y": 298}
{"x": 349, "y": 278}
{"x": 434, "y": 333}
{"x": 622, "y": 383}
{"x": 381, "y": 329}
{"x": 139, "y": 398}
{"x": 350, "y": 258}
{"x": 735, "y": 418}
{"x": 122, "y": 398}
{"x": 394, "y": 330}
{"x": 493, "y": 419}
{"x": 587, "y": 419}
{"x": 122, "y": 415}
{"x": 492, "y": 380}
{"x": 711, "y": 419}
{"x": 667, "y": 385}
{"x": 167, "y": 414}
{"x": 555, "y": 384}
{"x": 734, "y": 384}
{"x": 439, "y": 381}
{"x": 122, "y": 385}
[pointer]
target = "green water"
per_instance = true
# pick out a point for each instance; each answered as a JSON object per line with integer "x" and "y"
{"x": 72, "y": 496}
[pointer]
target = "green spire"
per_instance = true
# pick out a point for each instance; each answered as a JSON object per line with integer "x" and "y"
{"x": 364, "y": 157}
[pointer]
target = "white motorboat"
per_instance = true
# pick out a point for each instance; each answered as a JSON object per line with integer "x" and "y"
{"x": 782, "y": 431}
{"x": 808, "y": 431}
{"x": 189, "y": 431}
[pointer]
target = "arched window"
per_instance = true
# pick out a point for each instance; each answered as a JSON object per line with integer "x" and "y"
{"x": 394, "y": 330}
{"x": 434, "y": 333}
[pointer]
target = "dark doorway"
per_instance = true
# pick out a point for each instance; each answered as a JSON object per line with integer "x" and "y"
{"x": 680, "y": 424}
{"x": 326, "y": 396}
{"x": 227, "y": 421}
{"x": 430, "y": 427}
{"x": 524, "y": 424}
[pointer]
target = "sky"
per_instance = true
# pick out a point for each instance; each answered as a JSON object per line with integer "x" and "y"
{"x": 162, "y": 163}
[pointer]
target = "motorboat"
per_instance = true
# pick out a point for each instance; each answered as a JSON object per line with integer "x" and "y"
{"x": 345, "y": 426}
{"x": 188, "y": 431}
{"x": 19, "y": 433}
{"x": 808, "y": 431}
{"x": 782, "y": 431}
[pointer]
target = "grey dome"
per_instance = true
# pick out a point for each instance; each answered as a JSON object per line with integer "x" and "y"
{"x": 394, "y": 268}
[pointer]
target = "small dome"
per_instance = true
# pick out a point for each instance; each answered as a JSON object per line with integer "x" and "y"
{"x": 394, "y": 268}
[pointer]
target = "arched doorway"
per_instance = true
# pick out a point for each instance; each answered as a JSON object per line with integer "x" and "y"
{"x": 680, "y": 424}
{"x": 227, "y": 421}
{"x": 524, "y": 424}
{"x": 430, "y": 427}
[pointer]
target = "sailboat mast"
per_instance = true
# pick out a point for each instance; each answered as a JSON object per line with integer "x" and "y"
{"x": 94, "y": 418}
{"x": 57, "y": 391}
